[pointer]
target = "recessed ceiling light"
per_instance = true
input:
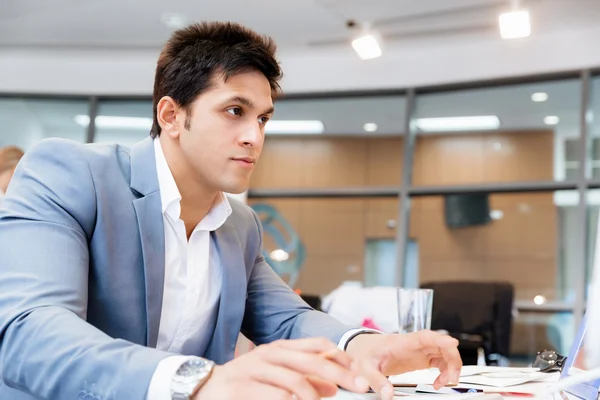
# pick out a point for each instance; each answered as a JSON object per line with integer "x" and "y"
{"x": 496, "y": 215}
{"x": 551, "y": 120}
{"x": 300, "y": 127}
{"x": 480, "y": 122}
{"x": 370, "y": 127}
{"x": 539, "y": 97}
{"x": 280, "y": 255}
{"x": 589, "y": 116}
{"x": 367, "y": 47}
{"x": 115, "y": 122}
{"x": 174, "y": 20}
{"x": 514, "y": 25}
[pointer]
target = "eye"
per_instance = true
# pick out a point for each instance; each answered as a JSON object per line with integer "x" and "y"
{"x": 263, "y": 120}
{"x": 235, "y": 111}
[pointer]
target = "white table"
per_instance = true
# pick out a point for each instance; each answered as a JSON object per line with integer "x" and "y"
{"x": 532, "y": 387}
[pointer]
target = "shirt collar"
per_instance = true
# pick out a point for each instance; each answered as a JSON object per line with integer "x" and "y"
{"x": 171, "y": 197}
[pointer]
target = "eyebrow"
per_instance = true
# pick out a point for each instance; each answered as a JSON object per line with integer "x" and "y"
{"x": 248, "y": 103}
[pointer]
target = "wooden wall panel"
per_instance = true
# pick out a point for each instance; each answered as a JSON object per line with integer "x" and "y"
{"x": 334, "y": 163}
{"x": 518, "y": 156}
{"x": 474, "y": 158}
{"x": 448, "y": 159}
{"x": 384, "y": 161}
{"x": 280, "y": 165}
{"x": 292, "y": 162}
{"x": 332, "y": 231}
{"x": 521, "y": 247}
{"x": 378, "y": 212}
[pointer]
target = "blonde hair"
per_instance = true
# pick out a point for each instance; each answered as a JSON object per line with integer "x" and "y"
{"x": 9, "y": 157}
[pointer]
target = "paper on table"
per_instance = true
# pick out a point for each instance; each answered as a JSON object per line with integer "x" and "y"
{"x": 487, "y": 376}
{"x": 343, "y": 395}
{"x": 502, "y": 379}
{"x": 499, "y": 376}
{"x": 469, "y": 370}
{"x": 423, "y": 376}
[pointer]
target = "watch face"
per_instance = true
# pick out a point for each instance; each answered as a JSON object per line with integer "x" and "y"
{"x": 190, "y": 376}
{"x": 192, "y": 367}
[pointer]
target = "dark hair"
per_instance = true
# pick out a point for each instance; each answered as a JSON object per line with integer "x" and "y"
{"x": 193, "y": 56}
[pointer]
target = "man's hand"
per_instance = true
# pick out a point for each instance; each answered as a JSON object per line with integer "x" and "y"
{"x": 379, "y": 356}
{"x": 304, "y": 369}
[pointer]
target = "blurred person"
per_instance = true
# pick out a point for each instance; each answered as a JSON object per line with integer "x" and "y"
{"x": 9, "y": 157}
{"x": 128, "y": 274}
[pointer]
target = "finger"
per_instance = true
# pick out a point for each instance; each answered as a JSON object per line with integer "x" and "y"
{"x": 445, "y": 345}
{"x": 315, "y": 365}
{"x": 435, "y": 340}
{"x": 317, "y": 345}
{"x": 260, "y": 391}
{"x": 289, "y": 380}
{"x": 452, "y": 374}
{"x": 453, "y": 361}
{"x": 438, "y": 362}
{"x": 323, "y": 387}
{"x": 377, "y": 380}
{"x": 441, "y": 380}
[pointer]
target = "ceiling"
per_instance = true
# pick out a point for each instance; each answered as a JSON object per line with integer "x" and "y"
{"x": 296, "y": 25}
{"x": 293, "y": 23}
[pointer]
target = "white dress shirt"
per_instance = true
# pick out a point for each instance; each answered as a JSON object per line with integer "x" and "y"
{"x": 192, "y": 285}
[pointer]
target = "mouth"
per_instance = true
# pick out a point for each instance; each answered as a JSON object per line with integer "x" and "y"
{"x": 245, "y": 161}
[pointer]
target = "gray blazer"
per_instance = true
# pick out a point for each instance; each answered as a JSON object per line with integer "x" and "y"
{"x": 81, "y": 277}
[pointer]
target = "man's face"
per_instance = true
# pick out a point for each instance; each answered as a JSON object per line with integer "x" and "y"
{"x": 224, "y": 134}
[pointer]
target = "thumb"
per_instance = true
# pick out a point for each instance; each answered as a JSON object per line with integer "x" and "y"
{"x": 378, "y": 382}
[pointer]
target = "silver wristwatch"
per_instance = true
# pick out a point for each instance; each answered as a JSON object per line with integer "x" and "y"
{"x": 190, "y": 377}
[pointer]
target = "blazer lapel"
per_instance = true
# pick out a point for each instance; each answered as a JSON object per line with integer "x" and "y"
{"x": 233, "y": 295}
{"x": 148, "y": 210}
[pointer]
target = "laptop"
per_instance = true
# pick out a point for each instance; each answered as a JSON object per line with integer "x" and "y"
{"x": 585, "y": 351}
{"x": 577, "y": 361}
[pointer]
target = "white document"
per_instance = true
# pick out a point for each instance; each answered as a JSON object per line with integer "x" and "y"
{"x": 502, "y": 380}
{"x": 485, "y": 376}
{"x": 343, "y": 395}
{"x": 469, "y": 370}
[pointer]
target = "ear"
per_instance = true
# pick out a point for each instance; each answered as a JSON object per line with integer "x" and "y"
{"x": 167, "y": 111}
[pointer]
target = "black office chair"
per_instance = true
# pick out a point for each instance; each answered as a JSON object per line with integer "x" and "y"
{"x": 478, "y": 314}
{"x": 312, "y": 300}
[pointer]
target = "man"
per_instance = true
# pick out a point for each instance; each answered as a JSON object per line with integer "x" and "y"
{"x": 126, "y": 274}
{"x": 9, "y": 157}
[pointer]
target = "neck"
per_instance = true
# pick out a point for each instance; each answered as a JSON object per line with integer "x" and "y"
{"x": 4, "y": 180}
{"x": 197, "y": 198}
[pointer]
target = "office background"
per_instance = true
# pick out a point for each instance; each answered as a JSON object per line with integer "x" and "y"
{"x": 366, "y": 196}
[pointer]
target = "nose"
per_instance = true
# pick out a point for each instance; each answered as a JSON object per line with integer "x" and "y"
{"x": 252, "y": 136}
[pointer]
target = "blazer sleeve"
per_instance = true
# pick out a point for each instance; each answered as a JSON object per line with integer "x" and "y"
{"x": 274, "y": 311}
{"x": 47, "y": 348}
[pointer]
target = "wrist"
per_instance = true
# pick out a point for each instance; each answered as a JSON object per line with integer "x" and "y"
{"x": 357, "y": 343}
{"x": 204, "y": 391}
